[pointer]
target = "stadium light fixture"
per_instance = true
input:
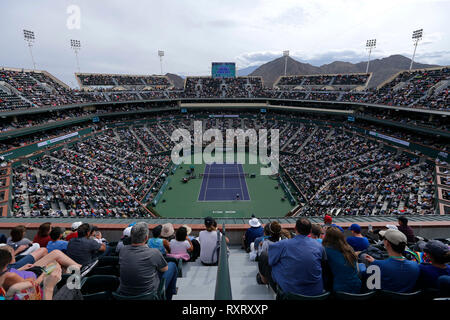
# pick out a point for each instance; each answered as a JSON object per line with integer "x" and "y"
{"x": 416, "y": 37}
{"x": 29, "y": 38}
{"x": 76, "y": 46}
{"x": 370, "y": 44}
{"x": 285, "y": 55}
{"x": 161, "y": 54}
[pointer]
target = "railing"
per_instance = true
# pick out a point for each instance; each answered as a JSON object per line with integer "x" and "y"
{"x": 223, "y": 282}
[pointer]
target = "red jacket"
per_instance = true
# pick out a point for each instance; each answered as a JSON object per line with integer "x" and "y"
{"x": 42, "y": 240}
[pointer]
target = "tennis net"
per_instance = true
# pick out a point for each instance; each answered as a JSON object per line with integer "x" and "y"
{"x": 223, "y": 175}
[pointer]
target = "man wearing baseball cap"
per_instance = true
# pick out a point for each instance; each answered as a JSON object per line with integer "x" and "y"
{"x": 356, "y": 240}
{"x": 397, "y": 273}
{"x": 439, "y": 254}
{"x": 74, "y": 228}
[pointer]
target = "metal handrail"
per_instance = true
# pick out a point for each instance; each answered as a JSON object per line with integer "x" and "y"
{"x": 223, "y": 281}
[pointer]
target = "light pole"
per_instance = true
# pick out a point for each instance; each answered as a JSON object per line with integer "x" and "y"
{"x": 76, "y": 46}
{"x": 285, "y": 55}
{"x": 416, "y": 36}
{"x": 161, "y": 54}
{"x": 370, "y": 44}
{"x": 29, "y": 38}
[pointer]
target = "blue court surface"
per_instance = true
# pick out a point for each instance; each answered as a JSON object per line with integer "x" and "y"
{"x": 224, "y": 182}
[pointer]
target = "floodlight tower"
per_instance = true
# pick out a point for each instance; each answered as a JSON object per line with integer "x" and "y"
{"x": 161, "y": 54}
{"x": 370, "y": 44}
{"x": 29, "y": 38}
{"x": 285, "y": 55}
{"x": 76, "y": 46}
{"x": 416, "y": 36}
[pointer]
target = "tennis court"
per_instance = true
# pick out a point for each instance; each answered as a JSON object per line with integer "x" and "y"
{"x": 224, "y": 182}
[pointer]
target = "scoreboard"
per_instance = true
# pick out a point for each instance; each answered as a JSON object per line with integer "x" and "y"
{"x": 223, "y": 70}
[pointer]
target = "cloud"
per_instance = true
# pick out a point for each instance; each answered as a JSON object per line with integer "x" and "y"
{"x": 249, "y": 59}
{"x": 434, "y": 57}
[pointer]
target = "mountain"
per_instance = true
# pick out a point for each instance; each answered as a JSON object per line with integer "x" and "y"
{"x": 382, "y": 69}
{"x": 176, "y": 80}
{"x": 270, "y": 71}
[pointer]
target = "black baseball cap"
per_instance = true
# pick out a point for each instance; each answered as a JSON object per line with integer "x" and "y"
{"x": 209, "y": 221}
{"x": 436, "y": 248}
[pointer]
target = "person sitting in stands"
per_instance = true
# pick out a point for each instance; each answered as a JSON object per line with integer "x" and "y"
{"x": 208, "y": 242}
{"x": 13, "y": 286}
{"x": 253, "y": 254}
{"x": 82, "y": 249}
{"x": 195, "y": 244}
{"x": 327, "y": 220}
{"x": 397, "y": 273}
{"x": 342, "y": 260}
{"x": 357, "y": 241}
{"x": 317, "y": 232}
{"x": 273, "y": 235}
{"x": 74, "y": 228}
{"x": 252, "y": 233}
{"x": 407, "y": 230}
{"x": 158, "y": 243}
{"x": 125, "y": 240}
{"x": 439, "y": 254}
{"x": 181, "y": 246}
{"x": 95, "y": 234}
{"x": 167, "y": 231}
{"x": 56, "y": 241}
{"x": 22, "y": 246}
{"x": 142, "y": 267}
{"x": 294, "y": 264}
{"x": 55, "y": 256}
{"x": 42, "y": 237}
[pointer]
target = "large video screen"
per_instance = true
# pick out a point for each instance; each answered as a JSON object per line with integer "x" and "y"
{"x": 223, "y": 70}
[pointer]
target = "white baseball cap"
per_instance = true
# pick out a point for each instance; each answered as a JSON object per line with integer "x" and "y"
{"x": 127, "y": 232}
{"x": 75, "y": 225}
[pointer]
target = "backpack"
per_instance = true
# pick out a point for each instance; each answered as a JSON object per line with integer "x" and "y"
{"x": 217, "y": 249}
{"x": 68, "y": 294}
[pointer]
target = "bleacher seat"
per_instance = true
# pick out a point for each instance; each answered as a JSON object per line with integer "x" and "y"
{"x": 105, "y": 270}
{"x": 108, "y": 261}
{"x": 159, "y": 295}
{"x": 281, "y": 295}
{"x": 99, "y": 287}
{"x": 179, "y": 263}
{"x": 386, "y": 294}
{"x": 340, "y": 295}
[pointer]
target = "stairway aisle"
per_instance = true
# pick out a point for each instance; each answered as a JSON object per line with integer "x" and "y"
{"x": 243, "y": 278}
{"x": 198, "y": 282}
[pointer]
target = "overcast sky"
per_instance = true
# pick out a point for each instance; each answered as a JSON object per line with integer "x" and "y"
{"x": 125, "y": 36}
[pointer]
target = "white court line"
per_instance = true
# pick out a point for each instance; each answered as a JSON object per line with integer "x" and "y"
{"x": 236, "y": 166}
{"x": 207, "y": 181}
{"x": 224, "y": 188}
{"x": 240, "y": 182}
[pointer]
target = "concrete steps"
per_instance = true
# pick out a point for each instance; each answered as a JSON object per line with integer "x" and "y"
{"x": 307, "y": 140}
{"x": 140, "y": 141}
{"x": 199, "y": 282}
{"x": 243, "y": 278}
{"x": 154, "y": 137}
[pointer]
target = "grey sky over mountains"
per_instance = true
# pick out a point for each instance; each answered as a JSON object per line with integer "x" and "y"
{"x": 124, "y": 36}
